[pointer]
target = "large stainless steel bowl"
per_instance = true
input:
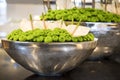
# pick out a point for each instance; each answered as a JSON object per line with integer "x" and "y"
{"x": 49, "y": 58}
{"x": 108, "y": 35}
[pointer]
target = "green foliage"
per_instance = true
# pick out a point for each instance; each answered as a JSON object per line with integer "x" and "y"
{"x": 83, "y": 14}
{"x": 47, "y": 36}
{"x": 48, "y": 39}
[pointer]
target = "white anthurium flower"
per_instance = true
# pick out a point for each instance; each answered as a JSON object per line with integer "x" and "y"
{"x": 54, "y": 24}
{"x": 38, "y": 24}
{"x": 70, "y": 28}
{"x": 79, "y": 31}
{"x": 25, "y": 25}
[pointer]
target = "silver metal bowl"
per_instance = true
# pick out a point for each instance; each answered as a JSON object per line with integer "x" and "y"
{"x": 108, "y": 35}
{"x": 49, "y": 58}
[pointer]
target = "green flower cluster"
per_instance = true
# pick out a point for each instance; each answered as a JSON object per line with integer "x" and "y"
{"x": 83, "y": 14}
{"x": 47, "y": 35}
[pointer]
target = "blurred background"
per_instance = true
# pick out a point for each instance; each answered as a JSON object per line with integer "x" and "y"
{"x": 13, "y": 11}
{"x": 110, "y": 5}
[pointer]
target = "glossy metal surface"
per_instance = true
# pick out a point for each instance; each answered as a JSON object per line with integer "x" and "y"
{"x": 49, "y": 58}
{"x": 108, "y": 35}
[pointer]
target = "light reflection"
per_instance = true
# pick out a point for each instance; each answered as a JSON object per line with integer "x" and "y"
{"x": 65, "y": 49}
{"x": 34, "y": 65}
{"x": 107, "y": 49}
{"x": 56, "y": 66}
{"x": 101, "y": 28}
{"x": 79, "y": 46}
{"x": 118, "y": 33}
{"x": 12, "y": 61}
{"x": 34, "y": 55}
{"x": 14, "y": 64}
{"x": 96, "y": 49}
{"x": 33, "y": 45}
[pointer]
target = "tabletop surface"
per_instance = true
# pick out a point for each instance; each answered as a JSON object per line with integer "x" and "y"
{"x": 103, "y": 69}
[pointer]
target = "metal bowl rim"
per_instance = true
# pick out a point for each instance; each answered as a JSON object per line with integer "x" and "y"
{"x": 20, "y": 42}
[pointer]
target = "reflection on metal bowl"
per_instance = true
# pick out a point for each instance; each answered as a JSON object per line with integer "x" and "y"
{"x": 108, "y": 35}
{"x": 49, "y": 59}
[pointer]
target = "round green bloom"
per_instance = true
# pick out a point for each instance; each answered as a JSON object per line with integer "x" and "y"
{"x": 55, "y": 38}
{"x": 75, "y": 39}
{"x": 48, "y": 39}
{"x": 61, "y": 39}
{"x": 40, "y": 39}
